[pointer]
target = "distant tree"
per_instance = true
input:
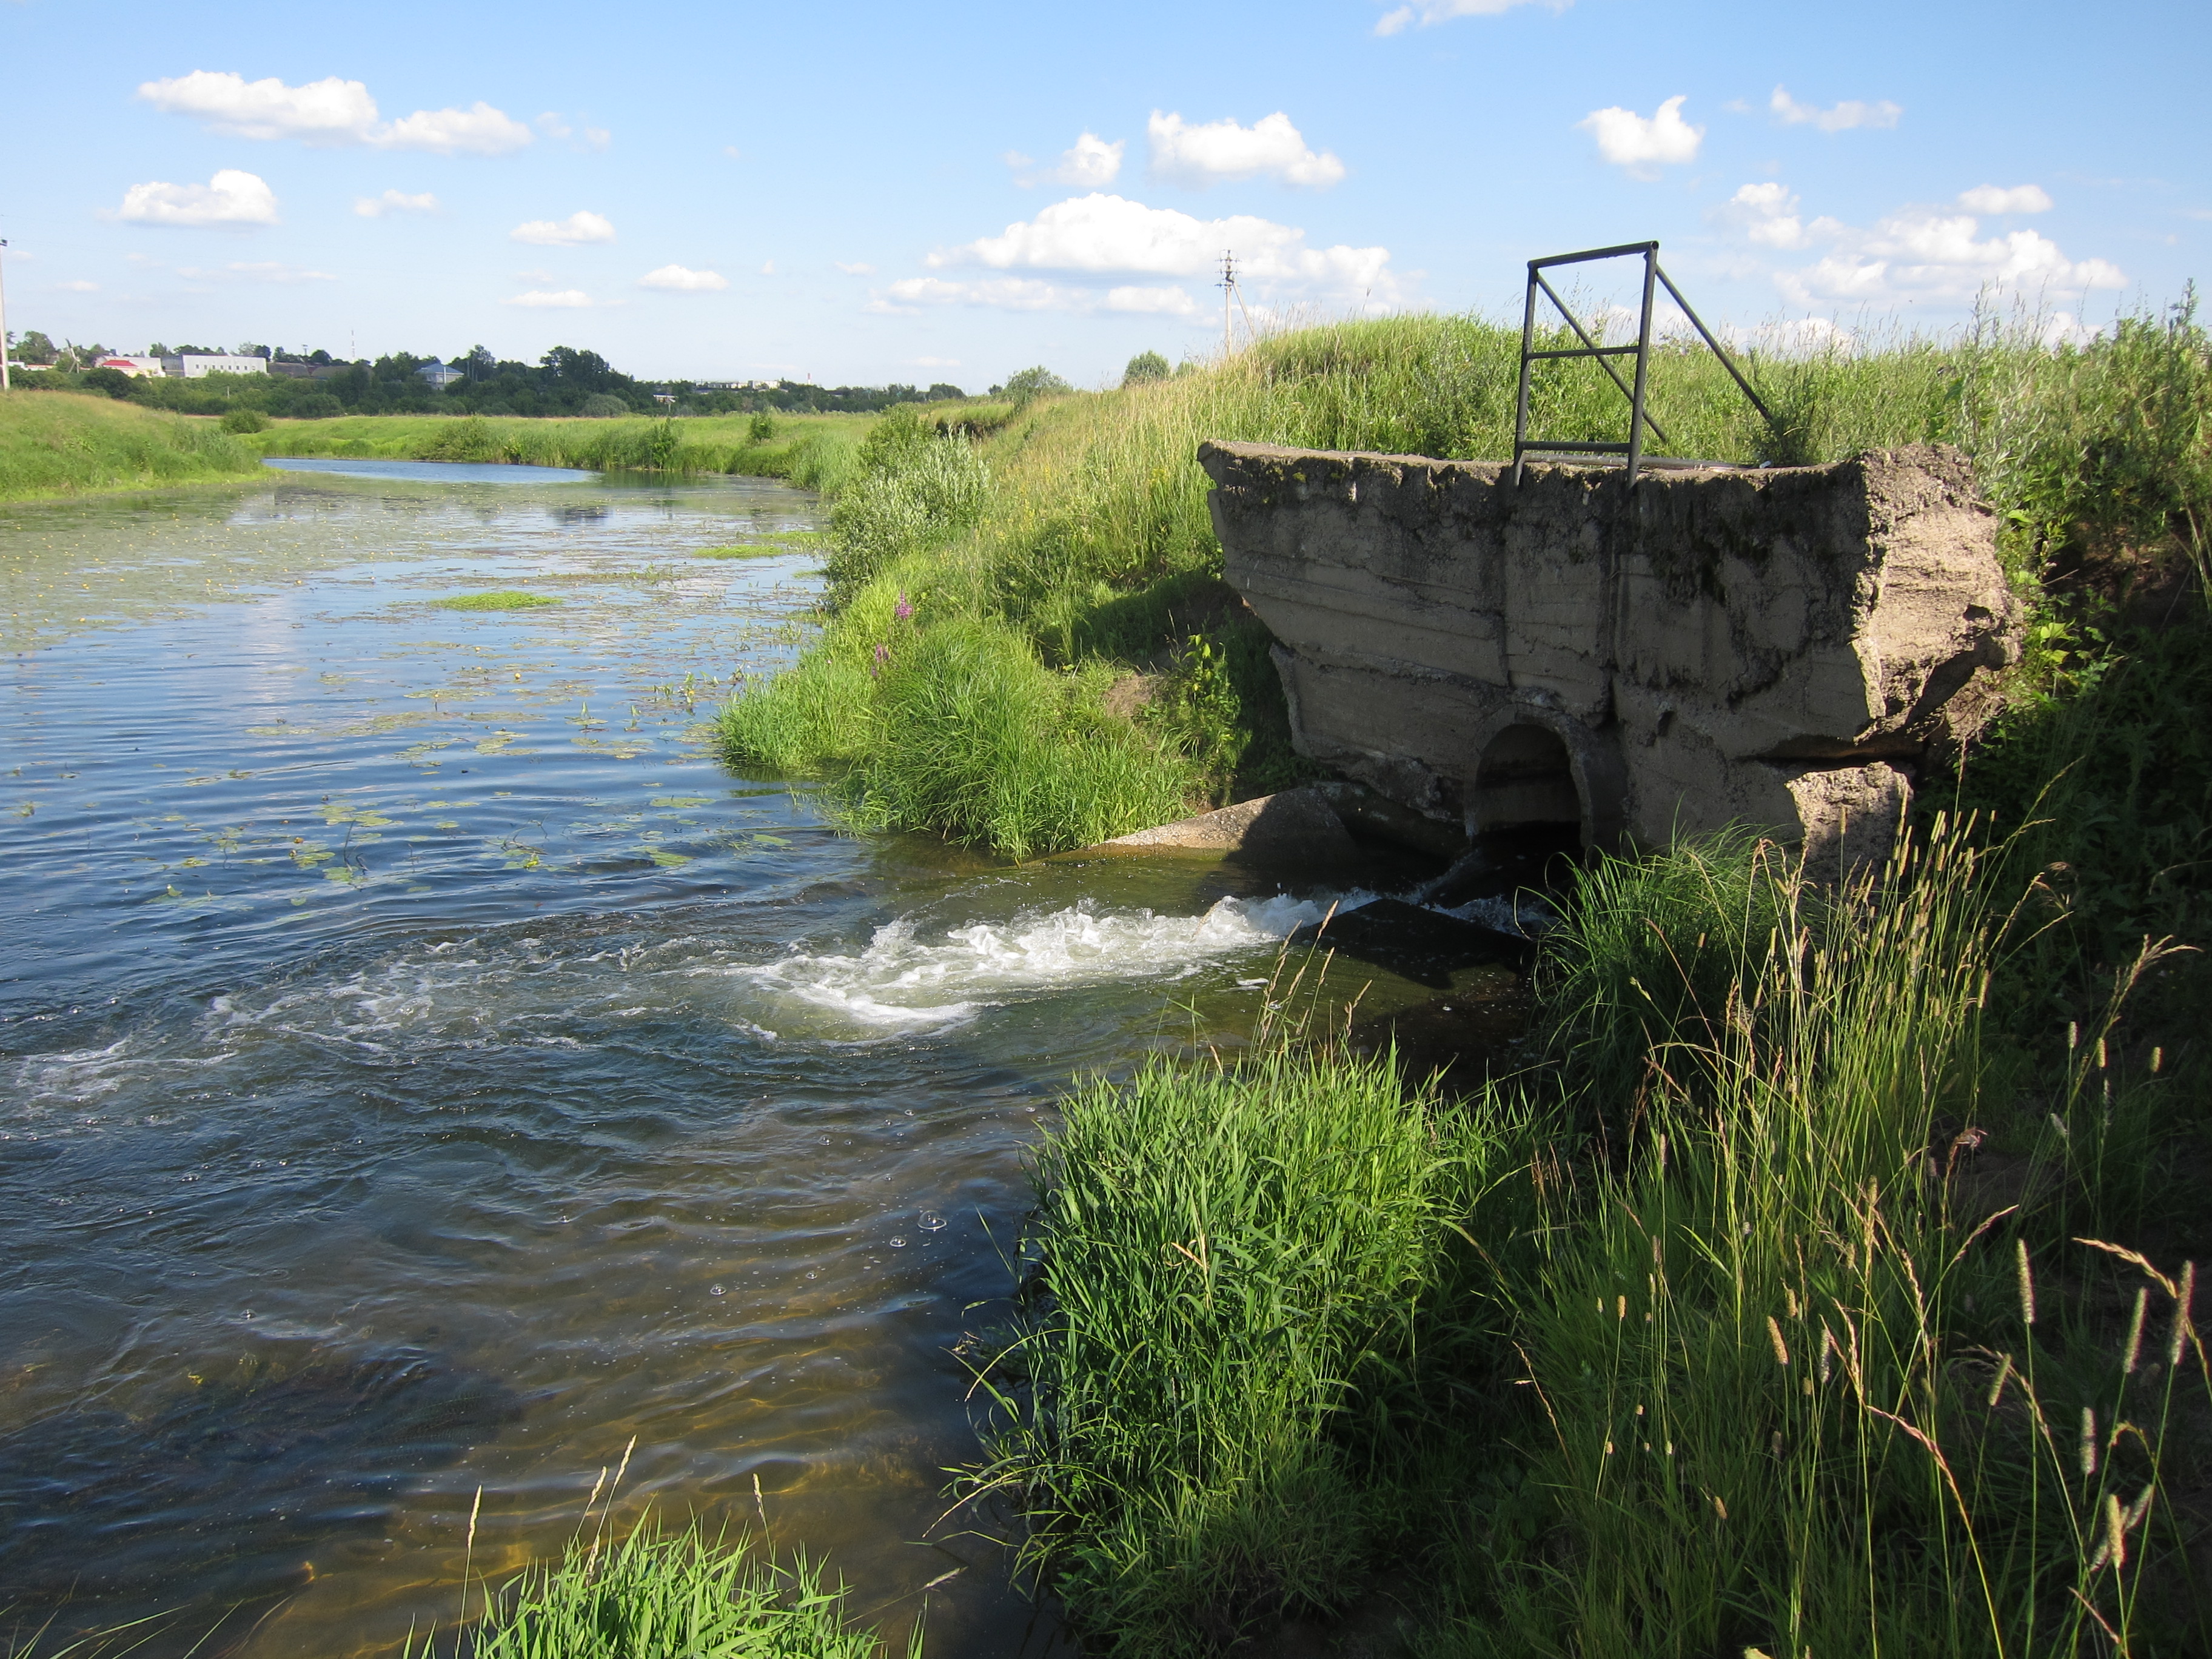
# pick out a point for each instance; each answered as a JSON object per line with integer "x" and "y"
{"x": 316, "y": 406}
{"x": 944, "y": 388}
{"x": 32, "y": 346}
{"x": 760, "y": 427}
{"x": 600, "y": 406}
{"x": 1144, "y": 367}
{"x": 113, "y": 382}
{"x": 1033, "y": 383}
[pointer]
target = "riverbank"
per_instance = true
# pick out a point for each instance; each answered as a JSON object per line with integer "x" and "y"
{"x": 58, "y": 445}
{"x": 1072, "y": 546}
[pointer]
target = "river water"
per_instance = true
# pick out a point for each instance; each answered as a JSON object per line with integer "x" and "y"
{"x": 426, "y": 1069}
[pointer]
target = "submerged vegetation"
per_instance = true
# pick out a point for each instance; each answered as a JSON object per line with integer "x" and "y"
{"x": 504, "y": 600}
{"x": 60, "y": 446}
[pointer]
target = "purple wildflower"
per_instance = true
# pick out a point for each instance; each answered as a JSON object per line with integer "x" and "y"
{"x": 902, "y": 610}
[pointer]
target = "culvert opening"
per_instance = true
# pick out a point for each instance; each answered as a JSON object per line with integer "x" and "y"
{"x": 1525, "y": 780}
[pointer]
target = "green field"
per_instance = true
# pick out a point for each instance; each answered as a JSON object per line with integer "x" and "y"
{"x": 63, "y": 444}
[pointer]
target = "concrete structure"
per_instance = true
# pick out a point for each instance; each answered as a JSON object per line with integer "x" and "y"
{"x": 1776, "y": 647}
{"x": 134, "y": 366}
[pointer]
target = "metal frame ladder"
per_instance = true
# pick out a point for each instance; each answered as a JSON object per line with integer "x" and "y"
{"x": 1640, "y": 418}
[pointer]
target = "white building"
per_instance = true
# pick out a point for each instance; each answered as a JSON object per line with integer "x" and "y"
{"x": 192, "y": 367}
{"x": 439, "y": 375}
{"x": 133, "y": 366}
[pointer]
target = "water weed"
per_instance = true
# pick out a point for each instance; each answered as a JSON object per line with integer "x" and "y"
{"x": 505, "y": 599}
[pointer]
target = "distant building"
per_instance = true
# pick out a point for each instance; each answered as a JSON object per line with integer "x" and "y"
{"x": 133, "y": 366}
{"x": 192, "y": 367}
{"x": 664, "y": 397}
{"x": 439, "y": 375}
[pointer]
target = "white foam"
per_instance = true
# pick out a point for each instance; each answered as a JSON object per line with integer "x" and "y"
{"x": 901, "y": 983}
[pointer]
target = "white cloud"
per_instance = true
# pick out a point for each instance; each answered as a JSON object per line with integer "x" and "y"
{"x": 1089, "y": 162}
{"x": 1218, "y": 150}
{"x": 858, "y": 268}
{"x": 1428, "y": 12}
{"x": 329, "y": 111}
{"x": 679, "y": 279}
{"x": 1924, "y": 253}
{"x": 1768, "y": 216}
{"x": 1103, "y": 234}
{"x": 571, "y": 298}
{"x": 1996, "y": 198}
{"x": 1031, "y": 294}
{"x": 1838, "y": 117}
{"x": 553, "y": 124}
{"x": 80, "y": 286}
{"x": 231, "y": 197}
{"x": 1645, "y": 144}
{"x": 1800, "y": 336}
{"x": 579, "y": 227}
{"x": 394, "y": 201}
{"x": 937, "y": 362}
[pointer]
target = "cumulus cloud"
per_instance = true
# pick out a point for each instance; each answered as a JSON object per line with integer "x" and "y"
{"x": 1101, "y": 235}
{"x": 1767, "y": 214}
{"x": 1428, "y": 12}
{"x": 680, "y": 279}
{"x": 1221, "y": 150}
{"x": 231, "y": 197}
{"x": 394, "y": 201}
{"x": 1089, "y": 162}
{"x": 331, "y": 111}
{"x": 1800, "y": 336}
{"x": 1996, "y": 198}
{"x": 1924, "y": 253}
{"x": 1031, "y": 294}
{"x": 79, "y": 286}
{"x": 1643, "y": 144}
{"x": 570, "y": 299}
{"x": 858, "y": 268}
{"x": 1838, "y": 118}
{"x": 578, "y": 228}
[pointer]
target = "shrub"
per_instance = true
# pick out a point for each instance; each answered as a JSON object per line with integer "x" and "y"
{"x": 245, "y": 420}
{"x": 1144, "y": 367}
{"x": 914, "y": 490}
{"x": 1025, "y": 385}
{"x": 600, "y": 407}
{"x": 316, "y": 406}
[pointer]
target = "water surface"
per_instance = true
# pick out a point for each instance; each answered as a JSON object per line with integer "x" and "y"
{"x": 425, "y": 1069}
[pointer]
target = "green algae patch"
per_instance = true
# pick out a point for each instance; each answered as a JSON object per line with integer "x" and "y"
{"x": 507, "y": 599}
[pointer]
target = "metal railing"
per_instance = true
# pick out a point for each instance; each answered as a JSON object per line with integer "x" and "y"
{"x": 1640, "y": 418}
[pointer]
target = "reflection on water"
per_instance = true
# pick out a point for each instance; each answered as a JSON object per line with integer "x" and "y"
{"x": 423, "y": 1068}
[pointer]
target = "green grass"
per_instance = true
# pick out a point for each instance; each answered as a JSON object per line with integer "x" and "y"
{"x": 815, "y": 451}
{"x": 1078, "y": 525}
{"x": 505, "y": 599}
{"x": 657, "y": 1594}
{"x": 1711, "y": 1335}
{"x": 779, "y": 545}
{"x": 63, "y": 444}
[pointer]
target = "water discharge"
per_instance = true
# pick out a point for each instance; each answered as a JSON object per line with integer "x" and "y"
{"x": 425, "y": 1070}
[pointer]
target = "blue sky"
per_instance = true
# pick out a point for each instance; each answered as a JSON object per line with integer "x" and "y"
{"x": 866, "y": 193}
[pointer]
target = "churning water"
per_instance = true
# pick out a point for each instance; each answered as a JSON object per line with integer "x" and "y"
{"x": 424, "y": 1068}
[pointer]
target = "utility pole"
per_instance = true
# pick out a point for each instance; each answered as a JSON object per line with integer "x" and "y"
{"x": 4, "y": 326}
{"x": 1228, "y": 286}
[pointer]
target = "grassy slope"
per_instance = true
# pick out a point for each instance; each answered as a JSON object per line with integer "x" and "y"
{"x": 61, "y": 444}
{"x": 1092, "y": 552}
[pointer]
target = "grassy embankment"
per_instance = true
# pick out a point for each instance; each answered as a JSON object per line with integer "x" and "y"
{"x": 1786, "y": 1306}
{"x": 815, "y": 452}
{"x": 986, "y": 594}
{"x": 54, "y": 444}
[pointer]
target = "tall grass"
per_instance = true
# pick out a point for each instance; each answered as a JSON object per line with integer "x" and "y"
{"x": 1821, "y": 1307}
{"x": 59, "y": 444}
{"x": 1225, "y": 1258}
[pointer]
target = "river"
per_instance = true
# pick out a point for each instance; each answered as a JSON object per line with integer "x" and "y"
{"x": 426, "y": 1069}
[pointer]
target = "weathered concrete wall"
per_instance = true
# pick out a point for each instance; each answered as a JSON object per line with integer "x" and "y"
{"x": 1771, "y": 646}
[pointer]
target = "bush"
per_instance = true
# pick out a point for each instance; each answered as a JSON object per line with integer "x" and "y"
{"x": 316, "y": 406}
{"x": 760, "y": 428}
{"x": 112, "y": 381}
{"x": 600, "y": 407}
{"x": 245, "y": 420}
{"x": 914, "y": 490}
{"x": 1145, "y": 365}
{"x": 1030, "y": 384}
